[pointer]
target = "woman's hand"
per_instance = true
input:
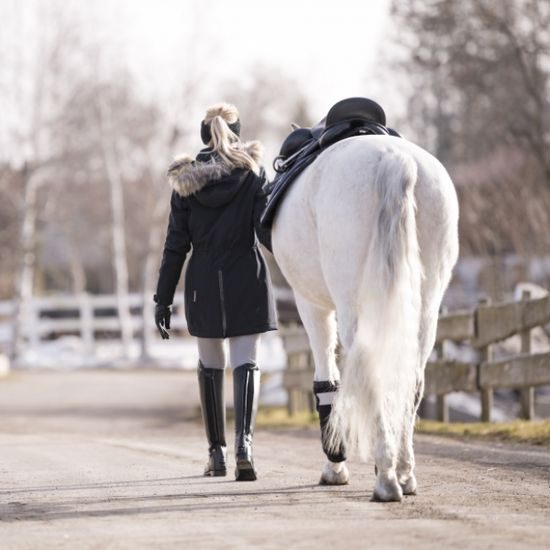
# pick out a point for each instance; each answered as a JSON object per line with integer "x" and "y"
{"x": 162, "y": 320}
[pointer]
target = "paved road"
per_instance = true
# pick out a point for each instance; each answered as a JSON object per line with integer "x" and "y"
{"x": 113, "y": 460}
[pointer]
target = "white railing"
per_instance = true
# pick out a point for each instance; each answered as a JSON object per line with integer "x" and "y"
{"x": 92, "y": 317}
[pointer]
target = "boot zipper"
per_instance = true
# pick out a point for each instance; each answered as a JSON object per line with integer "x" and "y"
{"x": 222, "y": 301}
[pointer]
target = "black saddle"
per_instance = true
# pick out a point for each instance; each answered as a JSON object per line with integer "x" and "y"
{"x": 350, "y": 117}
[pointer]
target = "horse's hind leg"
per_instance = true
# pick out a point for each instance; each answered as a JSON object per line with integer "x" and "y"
{"x": 385, "y": 442}
{"x": 406, "y": 460}
{"x": 321, "y": 329}
{"x": 387, "y": 487}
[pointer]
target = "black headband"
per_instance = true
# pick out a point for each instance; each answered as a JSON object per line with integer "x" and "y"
{"x": 206, "y": 136}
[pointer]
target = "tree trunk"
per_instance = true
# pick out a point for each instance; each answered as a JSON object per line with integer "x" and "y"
{"x": 24, "y": 286}
{"x": 77, "y": 271}
{"x": 154, "y": 243}
{"x": 112, "y": 170}
{"x": 149, "y": 273}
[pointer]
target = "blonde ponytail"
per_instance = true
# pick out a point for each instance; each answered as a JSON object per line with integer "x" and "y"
{"x": 223, "y": 141}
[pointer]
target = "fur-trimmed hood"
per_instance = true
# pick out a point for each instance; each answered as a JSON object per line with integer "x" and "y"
{"x": 188, "y": 177}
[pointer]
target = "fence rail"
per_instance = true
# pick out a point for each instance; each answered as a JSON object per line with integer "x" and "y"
{"x": 481, "y": 328}
{"x": 90, "y": 316}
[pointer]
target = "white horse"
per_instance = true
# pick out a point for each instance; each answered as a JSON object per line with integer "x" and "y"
{"x": 367, "y": 236}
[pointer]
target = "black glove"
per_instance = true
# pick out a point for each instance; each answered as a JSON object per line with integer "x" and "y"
{"x": 162, "y": 320}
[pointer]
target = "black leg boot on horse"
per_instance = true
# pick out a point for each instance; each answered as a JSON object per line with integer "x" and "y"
{"x": 213, "y": 413}
{"x": 246, "y": 391}
{"x": 336, "y": 473}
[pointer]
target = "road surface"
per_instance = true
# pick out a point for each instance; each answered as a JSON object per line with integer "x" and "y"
{"x": 100, "y": 459}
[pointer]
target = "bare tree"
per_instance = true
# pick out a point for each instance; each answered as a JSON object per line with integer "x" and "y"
{"x": 113, "y": 174}
{"x": 34, "y": 101}
{"x": 151, "y": 263}
{"x": 24, "y": 288}
{"x": 479, "y": 98}
{"x": 86, "y": 154}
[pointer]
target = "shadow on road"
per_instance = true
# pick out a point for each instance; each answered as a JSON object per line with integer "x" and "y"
{"x": 189, "y": 502}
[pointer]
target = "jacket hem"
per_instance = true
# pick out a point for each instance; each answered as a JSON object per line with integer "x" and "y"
{"x": 232, "y": 334}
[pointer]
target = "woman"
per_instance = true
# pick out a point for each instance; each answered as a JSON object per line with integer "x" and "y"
{"x": 216, "y": 204}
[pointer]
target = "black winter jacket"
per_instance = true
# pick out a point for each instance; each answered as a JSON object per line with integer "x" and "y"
{"x": 216, "y": 212}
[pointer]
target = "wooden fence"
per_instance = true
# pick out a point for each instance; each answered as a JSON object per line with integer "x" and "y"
{"x": 481, "y": 328}
{"x": 93, "y": 317}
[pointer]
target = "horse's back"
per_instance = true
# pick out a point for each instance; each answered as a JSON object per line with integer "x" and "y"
{"x": 330, "y": 213}
{"x": 350, "y": 167}
{"x": 344, "y": 175}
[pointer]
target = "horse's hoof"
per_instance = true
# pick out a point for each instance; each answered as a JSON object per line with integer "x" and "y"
{"x": 334, "y": 473}
{"x": 387, "y": 491}
{"x": 409, "y": 486}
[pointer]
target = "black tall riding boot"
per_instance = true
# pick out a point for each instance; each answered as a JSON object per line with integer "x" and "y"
{"x": 322, "y": 391}
{"x": 213, "y": 414}
{"x": 246, "y": 390}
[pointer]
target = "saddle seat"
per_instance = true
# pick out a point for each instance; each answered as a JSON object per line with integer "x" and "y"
{"x": 350, "y": 117}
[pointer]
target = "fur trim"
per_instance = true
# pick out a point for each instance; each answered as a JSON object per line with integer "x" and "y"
{"x": 187, "y": 176}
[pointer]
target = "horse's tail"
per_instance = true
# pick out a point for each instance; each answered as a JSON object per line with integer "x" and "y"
{"x": 380, "y": 372}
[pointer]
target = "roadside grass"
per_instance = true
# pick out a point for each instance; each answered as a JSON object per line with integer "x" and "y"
{"x": 535, "y": 432}
{"x": 278, "y": 417}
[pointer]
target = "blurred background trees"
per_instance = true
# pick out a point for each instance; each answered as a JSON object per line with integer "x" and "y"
{"x": 83, "y": 194}
{"x": 479, "y": 99}
{"x": 84, "y": 148}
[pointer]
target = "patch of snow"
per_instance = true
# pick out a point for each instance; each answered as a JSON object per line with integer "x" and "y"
{"x": 470, "y": 405}
{"x": 536, "y": 291}
{"x": 71, "y": 352}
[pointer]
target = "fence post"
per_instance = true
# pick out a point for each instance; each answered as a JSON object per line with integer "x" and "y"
{"x": 33, "y": 319}
{"x": 86, "y": 321}
{"x": 296, "y": 361}
{"x": 486, "y": 354}
{"x": 526, "y": 395}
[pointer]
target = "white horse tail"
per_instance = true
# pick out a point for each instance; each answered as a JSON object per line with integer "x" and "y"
{"x": 380, "y": 372}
